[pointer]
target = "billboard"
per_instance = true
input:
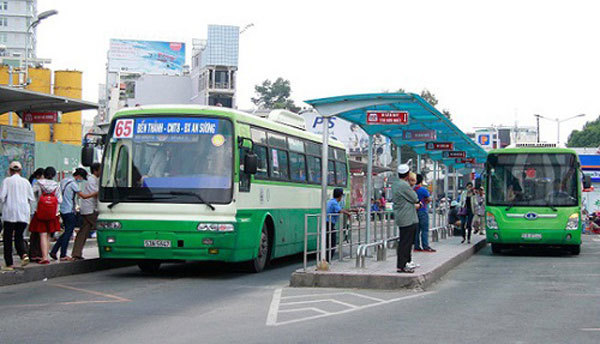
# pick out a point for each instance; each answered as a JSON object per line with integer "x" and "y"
{"x": 148, "y": 57}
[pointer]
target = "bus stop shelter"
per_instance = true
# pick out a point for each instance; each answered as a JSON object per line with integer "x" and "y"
{"x": 20, "y": 101}
{"x": 406, "y": 119}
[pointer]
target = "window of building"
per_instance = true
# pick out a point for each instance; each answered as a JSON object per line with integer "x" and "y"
{"x": 3, "y": 38}
{"x": 3, "y": 21}
{"x": 4, "y": 5}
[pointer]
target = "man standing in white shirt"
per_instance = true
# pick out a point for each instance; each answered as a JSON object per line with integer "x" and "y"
{"x": 16, "y": 197}
{"x": 88, "y": 211}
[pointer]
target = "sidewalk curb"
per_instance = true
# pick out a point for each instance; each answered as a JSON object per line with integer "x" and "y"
{"x": 38, "y": 273}
{"x": 382, "y": 281}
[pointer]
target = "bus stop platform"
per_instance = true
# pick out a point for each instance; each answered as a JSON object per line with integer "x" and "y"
{"x": 382, "y": 274}
{"x": 36, "y": 272}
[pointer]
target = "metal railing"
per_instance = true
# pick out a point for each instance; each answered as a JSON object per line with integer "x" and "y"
{"x": 350, "y": 230}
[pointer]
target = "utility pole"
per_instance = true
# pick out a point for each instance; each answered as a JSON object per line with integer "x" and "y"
{"x": 537, "y": 118}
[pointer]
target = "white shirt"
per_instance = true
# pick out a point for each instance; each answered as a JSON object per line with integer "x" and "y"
{"x": 16, "y": 197}
{"x": 88, "y": 206}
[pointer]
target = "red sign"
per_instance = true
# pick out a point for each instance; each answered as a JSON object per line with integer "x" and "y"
{"x": 123, "y": 129}
{"x": 439, "y": 146}
{"x": 454, "y": 154}
{"x": 40, "y": 117}
{"x": 465, "y": 161}
{"x": 387, "y": 117}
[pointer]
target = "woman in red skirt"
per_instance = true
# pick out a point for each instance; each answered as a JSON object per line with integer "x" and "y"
{"x": 45, "y": 219}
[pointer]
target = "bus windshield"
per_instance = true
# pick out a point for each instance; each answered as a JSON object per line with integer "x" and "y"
{"x": 532, "y": 180}
{"x": 169, "y": 159}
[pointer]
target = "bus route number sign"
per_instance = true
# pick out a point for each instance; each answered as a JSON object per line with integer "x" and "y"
{"x": 124, "y": 129}
{"x": 387, "y": 117}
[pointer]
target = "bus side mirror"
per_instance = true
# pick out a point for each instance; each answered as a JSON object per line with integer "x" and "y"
{"x": 87, "y": 155}
{"x": 587, "y": 181}
{"x": 250, "y": 163}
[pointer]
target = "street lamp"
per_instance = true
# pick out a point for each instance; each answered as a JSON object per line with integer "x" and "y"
{"x": 558, "y": 122}
{"x": 35, "y": 23}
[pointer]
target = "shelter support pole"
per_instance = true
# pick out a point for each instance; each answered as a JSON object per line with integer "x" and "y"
{"x": 434, "y": 191}
{"x": 324, "y": 173}
{"x": 446, "y": 169}
{"x": 369, "y": 189}
{"x": 399, "y": 154}
{"x": 455, "y": 183}
{"x": 418, "y": 163}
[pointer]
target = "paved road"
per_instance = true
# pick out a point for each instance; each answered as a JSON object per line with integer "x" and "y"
{"x": 520, "y": 297}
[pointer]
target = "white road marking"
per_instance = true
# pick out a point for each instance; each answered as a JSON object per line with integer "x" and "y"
{"x": 272, "y": 316}
{"x": 276, "y": 303}
{"x": 591, "y": 329}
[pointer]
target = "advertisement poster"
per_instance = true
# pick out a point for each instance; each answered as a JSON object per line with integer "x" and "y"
{"x": 150, "y": 57}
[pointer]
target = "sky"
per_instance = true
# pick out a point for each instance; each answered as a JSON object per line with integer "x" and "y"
{"x": 487, "y": 62}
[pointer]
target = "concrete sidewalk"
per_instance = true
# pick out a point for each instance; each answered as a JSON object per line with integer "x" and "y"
{"x": 35, "y": 272}
{"x": 382, "y": 275}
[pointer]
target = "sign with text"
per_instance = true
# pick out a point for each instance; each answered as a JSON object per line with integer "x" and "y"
{"x": 40, "y": 117}
{"x": 465, "y": 161}
{"x": 439, "y": 146}
{"x": 387, "y": 117}
{"x": 454, "y": 154}
{"x": 419, "y": 135}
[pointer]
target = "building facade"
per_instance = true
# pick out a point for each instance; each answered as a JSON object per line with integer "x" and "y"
{"x": 15, "y": 18}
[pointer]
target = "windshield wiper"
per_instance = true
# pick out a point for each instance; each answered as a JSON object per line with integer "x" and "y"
{"x": 551, "y": 207}
{"x": 189, "y": 193}
{"x": 510, "y": 206}
{"x": 137, "y": 198}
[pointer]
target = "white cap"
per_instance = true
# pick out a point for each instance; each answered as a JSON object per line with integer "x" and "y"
{"x": 453, "y": 203}
{"x": 403, "y": 168}
{"x": 15, "y": 166}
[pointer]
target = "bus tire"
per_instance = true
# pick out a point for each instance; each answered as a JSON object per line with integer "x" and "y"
{"x": 149, "y": 266}
{"x": 263, "y": 255}
{"x": 497, "y": 248}
{"x": 575, "y": 249}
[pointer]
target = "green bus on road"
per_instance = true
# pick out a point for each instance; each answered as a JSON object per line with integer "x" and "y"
{"x": 534, "y": 197}
{"x": 186, "y": 183}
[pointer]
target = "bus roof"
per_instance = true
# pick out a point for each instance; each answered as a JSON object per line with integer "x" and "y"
{"x": 544, "y": 150}
{"x": 240, "y": 116}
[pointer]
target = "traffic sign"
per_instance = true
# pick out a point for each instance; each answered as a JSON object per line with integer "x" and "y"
{"x": 465, "y": 161}
{"x": 387, "y": 117}
{"x": 439, "y": 146}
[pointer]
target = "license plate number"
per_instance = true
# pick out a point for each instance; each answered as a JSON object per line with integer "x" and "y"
{"x": 531, "y": 236}
{"x": 157, "y": 243}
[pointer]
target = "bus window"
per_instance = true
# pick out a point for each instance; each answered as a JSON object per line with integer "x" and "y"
{"x": 279, "y": 164}
{"x": 341, "y": 174}
{"x": 313, "y": 148}
{"x": 295, "y": 145}
{"x": 258, "y": 136}
{"x": 298, "y": 167}
{"x": 261, "y": 153}
{"x": 330, "y": 173}
{"x": 277, "y": 141}
{"x": 122, "y": 169}
{"x": 244, "y": 177}
{"x": 314, "y": 169}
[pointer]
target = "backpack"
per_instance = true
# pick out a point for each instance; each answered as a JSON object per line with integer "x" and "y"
{"x": 47, "y": 205}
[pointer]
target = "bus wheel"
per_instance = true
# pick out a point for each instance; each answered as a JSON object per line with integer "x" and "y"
{"x": 259, "y": 263}
{"x": 497, "y": 248}
{"x": 149, "y": 266}
{"x": 575, "y": 249}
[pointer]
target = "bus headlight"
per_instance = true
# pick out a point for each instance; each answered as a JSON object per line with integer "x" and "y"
{"x": 108, "y": 225}
{"x": 215, "y": 227}
{"x": 490, "y": 221}
{"x": 573, "y": 222}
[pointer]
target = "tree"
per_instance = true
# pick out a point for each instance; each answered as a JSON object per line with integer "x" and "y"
{"x": 275, "y": 95}
{"x": 589, "y": 136}
{"x": 429, "y": 97}
{"x": 447, "y": 113}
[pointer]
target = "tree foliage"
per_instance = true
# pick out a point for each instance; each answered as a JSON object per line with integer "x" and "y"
{"x": 589, "y": 136}
{"x": 275, "y": 95}
{"x": 429, "y": 97}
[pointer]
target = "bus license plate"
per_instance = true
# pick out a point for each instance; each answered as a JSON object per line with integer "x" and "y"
{"x": 531, "y": 236}
{"x": 157, "y": 243}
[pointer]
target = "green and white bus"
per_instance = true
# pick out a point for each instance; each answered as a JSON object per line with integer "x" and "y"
{"x": 184, "y": 183}
{"x": 534, "y": 197}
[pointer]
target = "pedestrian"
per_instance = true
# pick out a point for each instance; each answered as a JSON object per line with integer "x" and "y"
{"x": 334, "y": 208}
{"x": 479, "y": 214}
{"x": 88, "y": 210}
{"x": 374, "y": 208}
{"x": 45, "y": 219}
{"x": 453, "y": 218}
{"x": 422, "y": 233}
{"x": 467, "y": 204}
{"x": 405, "y": 216}
{"x": 16, "y": 197}
{"x": 35, "y": 252}
{"x": 68, "y": 213}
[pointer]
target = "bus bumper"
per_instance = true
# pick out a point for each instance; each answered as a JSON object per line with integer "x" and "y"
{"x": 199, "y": 246}
{"x": 534, "y": 236}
